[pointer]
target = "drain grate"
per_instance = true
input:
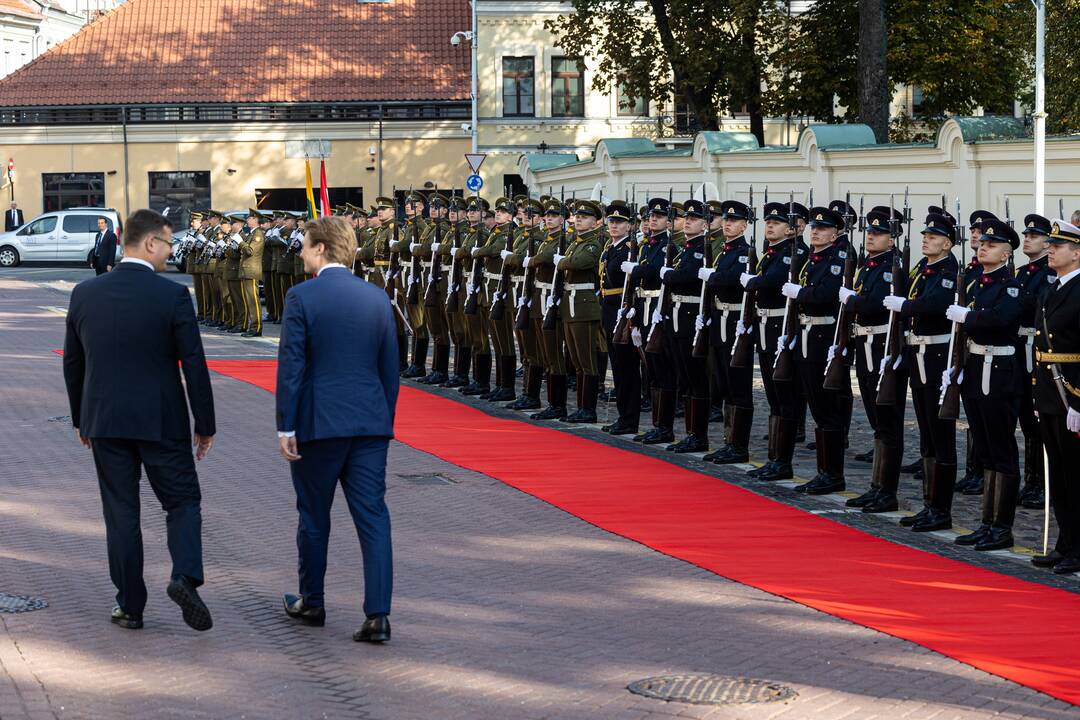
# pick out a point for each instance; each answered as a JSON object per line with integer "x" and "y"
{"x": 428, "y": 479}
{"x": 710, "y": 690}
{"x": 20, "y": 603}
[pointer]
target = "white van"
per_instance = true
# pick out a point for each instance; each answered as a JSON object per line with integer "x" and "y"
{"x": 60, "y": 236}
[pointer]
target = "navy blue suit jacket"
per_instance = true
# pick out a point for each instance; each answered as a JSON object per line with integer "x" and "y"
{"x": 127, "y": 331}
{"x": 338, "y": 359}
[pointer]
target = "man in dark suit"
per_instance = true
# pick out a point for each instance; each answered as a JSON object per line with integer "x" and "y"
{"x": 337, "y": 388}
{"x": 13, "y": 218}
{"x": 104, "y": 248}
{"x": 128, "y": 407}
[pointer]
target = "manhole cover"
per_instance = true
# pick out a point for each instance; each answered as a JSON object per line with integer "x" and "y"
{"x": 20, "y": 603}
{"x": 710, "y": 689}
{"x": 428, "y": 479}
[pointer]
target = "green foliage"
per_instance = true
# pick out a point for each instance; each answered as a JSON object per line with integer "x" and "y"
{"x": 1062, "y": 66}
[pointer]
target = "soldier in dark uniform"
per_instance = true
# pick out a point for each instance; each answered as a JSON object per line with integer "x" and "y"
{"x": 816, "y": 295}
{"x": 1057, "y": 393}
{"x": 773, "y": 271}
{"x": 991, "y": 383}
{"x": 550, "y": 340}
{"x": 646, "y": 273}
{"x": 266, "y": 221}
{"x": 624, "y": 359}
{"x": 735, "y": 385}
{"x": 865, "y": 301}
{"x": 933, "y": 287}
{"x": 1033, "y": 278}
{"x": 684, "y": 288}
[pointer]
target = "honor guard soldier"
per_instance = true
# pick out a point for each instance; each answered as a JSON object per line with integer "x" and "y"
{"x": 298, "y": 242}
{"x": 266, "y": 224}
{"x": 530, "y": 234}
{"x": 434, "y": 249}
{"x": 991, "y": 383}
{"x": 501, "y": 329}
{"x": 872, "y": 285}
{"x": 458, "y": 226}
{"x": 625, "y": 363}
{"x": 285, "y": 260}
{"x": 191, "y": 262}
{"x": 408, "y": 239}
{"x": 550, "y": 339}
{"x": 774, "y": 270}
{"x": 251, "y": 271}
{"x": 473, "y": 286}
{"x": 580, "y": 307}
{"x": 684, "y": 289}
{"x": 1057, "y": 393}
{"x": 210, "y": 270}
{"x": 233, "y": 259}
{"x": 933, "y": 287}
{"x": 734, "y": 385}
{"x": 1033, "y": 278}
{"x": 272, "y": 271}
{"x": 816, "y": 294}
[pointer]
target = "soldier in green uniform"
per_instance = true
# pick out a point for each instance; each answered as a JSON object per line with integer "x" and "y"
{"x": 530, "y": 232}
{"x": 209, "y": 268}
{"x": 434, "y": 250}
{"x": 472, "y": 291}
{"x": 232, "y": 276}
{"x": 408, "y": 237}
{"x": 272, "y": 274}
{"x": 266, "y": 223}
{"x": 284, "y": 272}
{"x": 376, "y": 255}
{"x": 502, "y": 330}
{"x": 550, "y": 341}
{"x": 455, "y": 277}
{"x": 193, "y": 243}
{"x": 251, "y": 270}
{"x": 229, "y": 310}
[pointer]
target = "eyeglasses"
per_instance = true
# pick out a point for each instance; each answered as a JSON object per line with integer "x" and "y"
{"x": 166, "y": 240}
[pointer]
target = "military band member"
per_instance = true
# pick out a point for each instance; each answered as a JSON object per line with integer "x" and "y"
{"x": 933, "y": 287}
{"x": 233, "y": 257}
{"x": 473, "y": 283}
{"x": 773, "y": 271}
{"x": 457, "y": 271}
{"x": 816, "y": 294}
{"x": 872, "y": 285}
{"x": 299, "y": 275}
{"x": 251, "y": 271}
{"x": 271, "y": 272}
{"x": 210, "y": 271}
{"x": 284, "y": 273}
{"x": 624, "y": 358}
{"x": 1057, "y": 393}
{"x": 193, "y": 265}
{"x": 733, "y": 385}
{"x": 991, "y": 383}
{"x": 266, "y": 224}
{"x": 1033, "y": 278}
{"x": 550, "y": 340}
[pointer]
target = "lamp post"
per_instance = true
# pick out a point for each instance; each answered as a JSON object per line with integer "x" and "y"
{"x": 471, "y": 36}
{"x": 1039, "y": 116}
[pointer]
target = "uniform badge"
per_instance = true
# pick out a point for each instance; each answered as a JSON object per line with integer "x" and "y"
{"x": 842, "y": 254}
{"x": 887, "y": 276}
{"x": 787, "y": 259}
{"x": 698, "y": 256}
{"x": 948, "y": 284}
{"x": 743, "y": 258}
{"x": 1013, "y": 292}
{"x": 835, "y": 269}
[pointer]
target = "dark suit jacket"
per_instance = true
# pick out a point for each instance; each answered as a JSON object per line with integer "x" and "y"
{"x": 126, "y": 332}
{"x": 338, "y": 359}
{"x": 107, "y": 254}
{"x": 8, "y": 224}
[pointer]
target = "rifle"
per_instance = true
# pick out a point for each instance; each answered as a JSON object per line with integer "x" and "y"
{"x": 431, "y": 295}
{"x": 836, "y": 372}
{"x": 949, "y": 402}
{"x": 416, "y": 270}
{"x": 742, "y": 350}
{"x": 784, "y": 362}
{"x": 551, "y": 312}
{"x": 454, "y": 283}
{"x": 621, "y": 336}
{"x": 521, "y": 322}
{"x": 888, "y": 391}
{"x": 701, "y": 338}
{"x": 655, "y": 343}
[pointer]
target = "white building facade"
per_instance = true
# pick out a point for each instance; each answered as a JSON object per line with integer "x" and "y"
{"x": 28, "y": 28}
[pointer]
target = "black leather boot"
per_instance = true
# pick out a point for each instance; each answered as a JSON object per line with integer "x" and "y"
{"x": 830, "y": 478}
{"x": 939, "y": 509}
{"x": 1033, "y": 493}
{"x": 530, "y": 396}
{"x": 973, "y": 474}
{"x": 1004, "y": 489}
{"x": 737, "y": 449}
{"x": 819, "y": 457}
{"x": 556, "y": 395}
{"x": 665, "y": 413}
{"x": 771, "y": 452}
{"x": 440, "y": 363}
{"x": 780, "y": 467}
{"x": 654, "y": 409}
{"x": 927, "y": 479}
{"x": 460, "y": 378}
{"x": 886, "y": 479}
{"x": 870, "y": 495}
{"x": 697, "y": 427}
{"x": 419, "y": 360}
{"x": 481, "y": 383}
{"x": 505, "y": 391}
{"x": 588, "y": 390}
{"x": 976, "y": 537}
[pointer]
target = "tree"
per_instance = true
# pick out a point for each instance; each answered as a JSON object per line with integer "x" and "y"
{"x": 1062, "y": 66}
{"x": 873, "y": 77}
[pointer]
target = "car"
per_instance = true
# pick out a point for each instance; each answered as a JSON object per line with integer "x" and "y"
{"x": 59, "y": 236}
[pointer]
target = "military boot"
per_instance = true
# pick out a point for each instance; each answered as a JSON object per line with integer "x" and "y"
{"x": 780, "y": 468}
{"x": 939, "y": 511}
{"x": 587, "y": 397}
{"x": 481, "y": 383}
{"x": 697, "y": 427}
{"x": 1004, "y": 489}
{"x": 460, "y": 378}
{"x": 737, "y": 449}
{"x": 1033, "y": 495}
{"x": 530, "y": 392}
{"x": 507, "y": 376}
{"x": 664, "y": 403}
{"x": 867, "y": 497}
{"x": 980, "y": 533}
{"x": 927, "y": 478}
{"x": 556, "y": 395}
{"x": 771, "y": 451}
{"x": 886, "y": 479}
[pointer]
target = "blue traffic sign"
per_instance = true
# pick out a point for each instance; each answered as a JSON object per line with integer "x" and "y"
{"x": 474, "y": 183}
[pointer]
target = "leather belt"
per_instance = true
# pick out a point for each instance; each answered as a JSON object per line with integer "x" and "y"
{"x": 808, "y": 321}
{"x": 1029, "y": 347}
{"x": 922, "y": 342}
{"x": 989, "y": 352}
{"x": 763, "y": 319}
{"x": 649, "y": 296}
{"x": 726, "y": 311}
{"x": 679, "y": 301}
{"x": 573, "y": 289}
{"x": 869, "y": 331}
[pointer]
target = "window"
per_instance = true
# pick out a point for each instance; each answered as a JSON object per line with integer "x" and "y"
{"x": 179, "y": 193}
{"x": 567, "y": 87}
{"x": 83, "y": 223}
{"x": 630, "y": 106}
{"x": 67, "y": 190}
{"x": 916, "y": 101}
{"x": 518, "y": 91}
{"x": 41, "y": 226}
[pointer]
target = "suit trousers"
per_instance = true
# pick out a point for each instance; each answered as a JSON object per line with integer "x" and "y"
{"x": 170, "y": 468}
{"x": 1062, "y": 453}
{"x": 359, "y": 464}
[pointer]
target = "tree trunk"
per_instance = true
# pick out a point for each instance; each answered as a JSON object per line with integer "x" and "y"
{"x": 873, "y": 79}
{"x": 699, "y": 102}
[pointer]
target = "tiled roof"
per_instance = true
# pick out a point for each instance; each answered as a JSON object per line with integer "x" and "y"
{"x": 20, "y": 8}
{"x": 236, "y": 51}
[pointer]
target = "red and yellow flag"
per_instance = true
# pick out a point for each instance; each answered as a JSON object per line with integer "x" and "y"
{"x": 313, "y": 213}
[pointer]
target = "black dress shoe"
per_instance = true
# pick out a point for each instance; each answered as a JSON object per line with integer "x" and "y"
{"x": 973, "y": 538}
{"x": 933, "y": 520}
{"x": 413, "y": 372}
{"x": 126, "y": 620}
{"x": 657, "y": 436}
{"x": 728, "y": 455}
{"x": 1033, "y": 498}
{"x": 502, "y": 395}
{"x": 975, "y": 487}
{"x": 524, "y": 403}
{"x": 997, "y": 538}
{"x": 911, "y": 467}
{"x": 252, "y": 334}
{"x": 621, "y": 427}
{"x": 549, "y": 413}
{"x": 822, "y": 485}
{"x": 475, "y": 390}
{"x": 295, "y": 608}
{"x": 196, "y": 614}
{"x": 1047, "y": 561}
{"x": 583, "y": 415}
{"x": 236, "y": 330}
{"x": 883, "y": 502}
{"x": 1068, "y": 566}
{"x": 775, "y": 470}
{"x": 909, "y": 520}
{"x": 455, "y": 381}
{"x": 689, "y": 444}
{"x": 374, "y": 630}
{"x": 865, "y": 499}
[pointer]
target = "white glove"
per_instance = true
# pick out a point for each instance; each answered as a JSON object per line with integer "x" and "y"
{"x": 474, "y": 252}
{"x": 550, "y": 303}
{"x": 832, "y": 353}
{"x": 413, "y": 247}
{"x": 945, "y": 379}
{"x": 740, "y": 329}
{"x": 881, "y": 367}
{"x": 522, "y": 301}
{"x": 745, "y": 278}
{"x": 699, "y": 323}
{"x": 893, "y": 303}
{"x": 664, "y": 271}
{"x": 791, "y": 290}
{"x": 505, "y": 254}
{"x": 657, "y": 316}
{"x": 1072, "y": 421}
{"x": 635, "y": 336}
{"x": 627, "y": 266}
{"x": 631, "y": 314}
{"x": 844, "y": 294}
{"x": 525, "y": 261}
{"x": 619, "y": 315}
{"x": 558, "y": 259}
{"x": 957, "y": 313}
{"x": 705, "y": 273}
{"x": 780, "y": 343}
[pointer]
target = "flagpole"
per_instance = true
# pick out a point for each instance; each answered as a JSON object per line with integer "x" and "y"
{"x": 1039, "y": 116}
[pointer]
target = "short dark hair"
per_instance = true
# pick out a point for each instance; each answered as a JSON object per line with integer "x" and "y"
{"x": 142, "y": 223}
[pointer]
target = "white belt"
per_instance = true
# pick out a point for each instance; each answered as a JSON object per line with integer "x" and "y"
{"x": 989, "y": 352}
{"x": 726, "y": 310}
{"x": 648, "y": 296}
{"x": 922, "y": 342}
{"x": 492, "y": 276}
{"x": 678, "y": 301}
{"x": 763, "y": 319}
{"x": 1029, "y": 347}
{"x": 545, "y": 290}
{"x": 808, "y": 321}
{"x": 573, "y": 289}
{"x": 869, "y": 331}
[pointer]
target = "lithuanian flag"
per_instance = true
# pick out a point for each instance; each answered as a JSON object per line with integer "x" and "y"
{"x": 312, "y": 212}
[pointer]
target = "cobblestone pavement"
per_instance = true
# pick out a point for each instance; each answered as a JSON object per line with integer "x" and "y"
{"x": 504, "y": 608}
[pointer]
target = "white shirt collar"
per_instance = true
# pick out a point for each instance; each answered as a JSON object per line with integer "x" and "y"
{"x": 329, "y": 265}
{"x": 1066, "y": 278}
{"x": 140, "y": 261}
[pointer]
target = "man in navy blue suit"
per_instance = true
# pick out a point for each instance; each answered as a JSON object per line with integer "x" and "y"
{"x": 129, "y": 335}
{"x": 337, "y": 388}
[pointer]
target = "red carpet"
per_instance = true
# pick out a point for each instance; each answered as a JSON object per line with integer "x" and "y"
{"x": 1026, "y": 632}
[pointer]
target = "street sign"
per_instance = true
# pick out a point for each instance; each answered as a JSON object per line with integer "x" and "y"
{"x": 475, "y": 160}
{"x": 474, "y": 183}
